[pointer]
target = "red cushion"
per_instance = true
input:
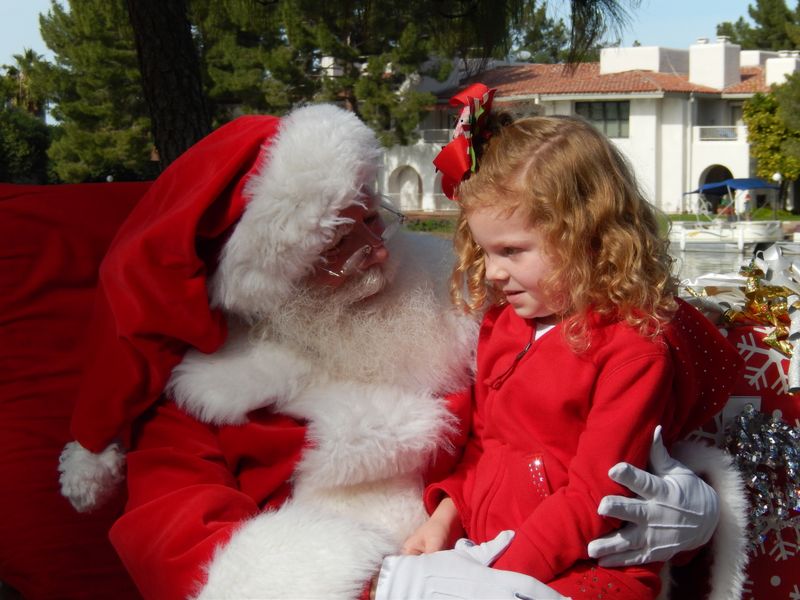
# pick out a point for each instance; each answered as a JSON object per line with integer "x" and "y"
{"x": 52, "y": 239}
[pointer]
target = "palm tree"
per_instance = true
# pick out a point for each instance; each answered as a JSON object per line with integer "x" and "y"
{"x": 28, "y": 94}
{"x": 592, "y": 19}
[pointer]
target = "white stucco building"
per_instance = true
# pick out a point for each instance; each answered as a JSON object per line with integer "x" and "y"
{"x": 676, "y": 114}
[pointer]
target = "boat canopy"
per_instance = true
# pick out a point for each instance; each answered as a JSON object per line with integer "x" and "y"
{"x": 743, "y": 183}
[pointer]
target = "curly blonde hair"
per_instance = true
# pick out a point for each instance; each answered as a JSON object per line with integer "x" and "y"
{"x": 579, "y": 192}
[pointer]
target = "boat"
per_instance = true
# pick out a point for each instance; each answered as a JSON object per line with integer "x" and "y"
{"x": 791, "y": 247}
{"x": 724, "y": 236}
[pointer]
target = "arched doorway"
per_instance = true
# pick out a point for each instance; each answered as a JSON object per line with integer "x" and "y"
{"x": 405, "y": 189}
{"x": 713, "y": 174}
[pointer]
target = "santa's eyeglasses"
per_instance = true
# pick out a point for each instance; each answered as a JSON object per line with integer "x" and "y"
{"x": 357, "y": 240}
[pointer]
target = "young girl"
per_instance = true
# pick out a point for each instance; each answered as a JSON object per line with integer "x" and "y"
{"x": 583, "y": 351}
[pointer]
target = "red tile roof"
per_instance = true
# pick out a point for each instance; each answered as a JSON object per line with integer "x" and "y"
{"x": 530, "y": 79}
{"x": 752, "y": 82}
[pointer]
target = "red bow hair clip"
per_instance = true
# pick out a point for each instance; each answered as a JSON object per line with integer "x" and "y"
{"x": 457, "y": 160}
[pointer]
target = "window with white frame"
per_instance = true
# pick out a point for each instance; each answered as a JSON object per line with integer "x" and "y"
{"x": 610, "y": 117}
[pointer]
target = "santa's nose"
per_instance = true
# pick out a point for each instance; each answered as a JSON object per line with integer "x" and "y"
{"x": 378, "y": 256}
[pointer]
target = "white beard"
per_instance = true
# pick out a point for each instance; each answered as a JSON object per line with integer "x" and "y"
{"x": 371, "y": 330}
{"x": 404, "y": 336}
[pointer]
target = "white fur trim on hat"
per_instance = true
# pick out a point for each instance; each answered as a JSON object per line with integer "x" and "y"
{"x": 296, "y": 552}
{"x": 729, "y": 544}
{"x": 89, "y": 479}
{"x": 314, "y": 167}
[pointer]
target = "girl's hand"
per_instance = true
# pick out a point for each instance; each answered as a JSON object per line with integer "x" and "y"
{"x": 431, "y": 536}
{"x": 439, "y": 532}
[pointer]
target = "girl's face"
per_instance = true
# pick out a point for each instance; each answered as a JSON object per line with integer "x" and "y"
{"x": 515, "y": 258}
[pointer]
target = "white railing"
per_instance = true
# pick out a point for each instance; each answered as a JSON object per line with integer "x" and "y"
{"x": 720, "y": 133}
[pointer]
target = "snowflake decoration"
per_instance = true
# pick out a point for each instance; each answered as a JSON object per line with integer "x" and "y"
{"x": 747, "y": 588}
{"x": 782, "y": 549}
{"x": 755, "y": 374}
{"x": 713, "y": 431}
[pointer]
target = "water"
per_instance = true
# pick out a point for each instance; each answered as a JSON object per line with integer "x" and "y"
{"x": 689, "y": 265}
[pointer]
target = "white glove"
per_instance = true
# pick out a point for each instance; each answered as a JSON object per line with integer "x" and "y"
{"x": 675, "y": 511}
{"x": 463, "y": 572}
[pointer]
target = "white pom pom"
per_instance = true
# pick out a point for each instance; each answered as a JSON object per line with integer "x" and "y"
{"x": 88, "y": 479}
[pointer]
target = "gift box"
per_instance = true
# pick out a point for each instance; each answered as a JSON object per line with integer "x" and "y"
{"x": 760, "y": 424}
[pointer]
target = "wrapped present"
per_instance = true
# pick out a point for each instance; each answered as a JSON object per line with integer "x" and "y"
{"x": 760, "y": 425}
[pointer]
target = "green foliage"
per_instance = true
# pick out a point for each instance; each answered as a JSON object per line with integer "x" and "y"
{"x": 593, "y": 19}
{"x": 248, "y": 66}
{"x": 545, "y": 39}
{"x": 94, "y": 155}
{"x": 772, "y": 119}
{"x": 7, "y": 88}
{"x": 394, "y": 115}
{"x": 267, "y": 56}
{"x": 24, "y": 136}
{"x": 97, "y": 93}
{"x": 766, "y": 213}
{"x": 763, "y": 213}
{"x": 22, "y": 86}
{"x": 771, "y": 140}
{"x": 443, "y": 225}
{"x": 787, "y": 96}
{"x": 775, "y": 27}
{"x": 23, "y": 147}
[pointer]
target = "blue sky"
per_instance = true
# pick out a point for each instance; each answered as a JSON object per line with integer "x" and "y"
{"x": 678, "y": 23}
{"x": 19, "y": 27}
{"x": 671, "y": 23}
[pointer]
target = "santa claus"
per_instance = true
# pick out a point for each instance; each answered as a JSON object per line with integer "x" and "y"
{"x": 278, "y": 378}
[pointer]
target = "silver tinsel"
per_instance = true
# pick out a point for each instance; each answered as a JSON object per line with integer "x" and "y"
{"x": 767, "y": 452}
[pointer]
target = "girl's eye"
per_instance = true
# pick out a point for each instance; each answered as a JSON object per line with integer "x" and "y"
{"x": 508, "y": 251}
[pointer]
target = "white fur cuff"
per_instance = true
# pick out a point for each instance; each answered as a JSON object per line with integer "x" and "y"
{"x": 296, "y": 552}
{"x": 88, "y": 479}
{"x": 242, "y": 376}
{"x": 729, "y": 544}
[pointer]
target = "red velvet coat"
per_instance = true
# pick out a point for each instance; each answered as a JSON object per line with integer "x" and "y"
{"x": 269, "y": 476}
{"x": 191, "y": 486}
{"x": 546, "y": 428}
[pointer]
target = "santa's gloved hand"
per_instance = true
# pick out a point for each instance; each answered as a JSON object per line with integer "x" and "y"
{"x": 463, "y": 572}
{"x": 675, "y": 511}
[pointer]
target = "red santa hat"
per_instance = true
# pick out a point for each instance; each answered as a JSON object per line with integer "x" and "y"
{"x": 232, "y": 226}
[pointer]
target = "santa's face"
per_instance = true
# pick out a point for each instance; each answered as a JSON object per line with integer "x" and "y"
{"x": 357, "y": 248}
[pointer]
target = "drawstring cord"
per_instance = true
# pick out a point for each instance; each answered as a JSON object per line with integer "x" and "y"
{"x": 498, "y": 381}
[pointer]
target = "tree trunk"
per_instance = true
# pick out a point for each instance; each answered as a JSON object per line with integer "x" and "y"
{"x": 171, "y": 78}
